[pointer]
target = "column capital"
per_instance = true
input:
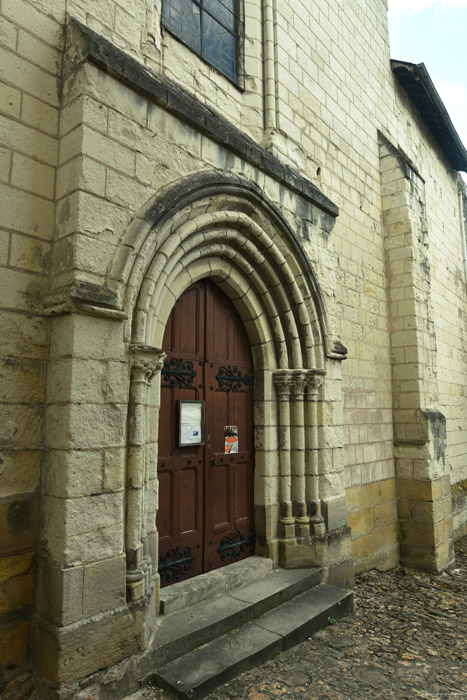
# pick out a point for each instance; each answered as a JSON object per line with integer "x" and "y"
{"x": 283, "y": 379}
{"x": 145, "y": 362}
{"x": 314, "y": 382}
{"x": 299, "y": 381}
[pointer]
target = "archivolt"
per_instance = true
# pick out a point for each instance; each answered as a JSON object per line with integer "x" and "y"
{"x": 223, "y": 227}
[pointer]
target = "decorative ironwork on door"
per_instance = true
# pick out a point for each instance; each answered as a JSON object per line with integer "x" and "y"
{"x": 232, "y": 547}
{"x": 178, "y": 372}
{"x": 231, "y": 378}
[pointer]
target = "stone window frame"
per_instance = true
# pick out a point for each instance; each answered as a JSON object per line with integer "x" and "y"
{"x": 239, "y": 79}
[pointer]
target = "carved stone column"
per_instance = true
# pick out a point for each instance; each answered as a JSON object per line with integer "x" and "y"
{"x": 146, "y": 362}
{"x": 302, "y": 519}
{"x": 314, "y": 383}
{"x": 283, "y": 382}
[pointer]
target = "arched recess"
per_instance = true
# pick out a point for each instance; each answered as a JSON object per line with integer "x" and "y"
{"x": 222, "y": 227}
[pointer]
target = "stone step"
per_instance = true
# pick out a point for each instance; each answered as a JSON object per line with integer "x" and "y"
{"x": 188, "y": 628}
{"x": 199, "y": 671}
{"x": 194, "y": 590}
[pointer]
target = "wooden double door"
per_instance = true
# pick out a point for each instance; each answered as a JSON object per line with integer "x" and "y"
{"x": 205, "y": 518}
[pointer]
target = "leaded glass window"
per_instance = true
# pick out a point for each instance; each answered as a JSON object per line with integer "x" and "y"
{"x": 208, "y": 27}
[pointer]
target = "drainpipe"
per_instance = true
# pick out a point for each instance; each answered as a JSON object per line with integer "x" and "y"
{"x": 269, "y": 68}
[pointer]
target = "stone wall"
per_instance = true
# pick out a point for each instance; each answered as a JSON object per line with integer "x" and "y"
{"x": 90, "y": 144}
{"x": 30, "y": 64}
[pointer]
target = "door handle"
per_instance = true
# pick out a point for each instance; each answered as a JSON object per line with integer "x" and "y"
{"x": 213, "y": 462}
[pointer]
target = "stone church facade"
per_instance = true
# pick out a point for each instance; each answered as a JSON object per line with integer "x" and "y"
{"x": 276, "y": 153}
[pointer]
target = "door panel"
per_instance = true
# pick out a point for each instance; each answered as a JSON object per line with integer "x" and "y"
{"x": 205, "y": 517}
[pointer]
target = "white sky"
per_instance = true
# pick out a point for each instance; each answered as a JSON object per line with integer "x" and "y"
{"x": 434, "y": 32}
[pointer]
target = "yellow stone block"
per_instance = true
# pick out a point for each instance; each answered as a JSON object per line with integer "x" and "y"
{"x": 13, "y": 642}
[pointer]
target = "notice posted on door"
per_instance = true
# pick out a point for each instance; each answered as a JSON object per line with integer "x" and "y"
{"x": 230, "y": 439}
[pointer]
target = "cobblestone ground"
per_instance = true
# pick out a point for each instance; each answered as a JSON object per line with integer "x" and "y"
{"x": 405, "y": 640}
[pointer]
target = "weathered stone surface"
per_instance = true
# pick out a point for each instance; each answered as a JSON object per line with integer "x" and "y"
{"x": 129, "y": 168}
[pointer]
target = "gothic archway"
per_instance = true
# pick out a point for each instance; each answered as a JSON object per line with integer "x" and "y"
{"x": 223, "y": 228}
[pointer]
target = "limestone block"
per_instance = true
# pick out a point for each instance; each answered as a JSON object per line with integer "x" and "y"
{"x": 114, "y": 469}
{"x": 87, "y": 381}
{"x": 107, "y": 151}
{"x": 87, "y": 337}
{"x": 131, "y": 134}
{"x": 39, "y": 115}
{"x": 10, "y": 99}
{"x": 21, "y": 427}
{"x": 104, "y": 542}
{"x": 20, "y": 472}
{"x": 22, "y": 381}
{"x": 70, "y": 517}
{"x": 60, "y": 593}
{"x": 213, "y": 153}
{"x": 335, "y": 512}
{"x": 115, "y": 94}
{"x": 25, "y": 212}
{"x": 5, "y": 164}
{"x": 23, "y": 336}
{"x": 104, "y": 585}
{"x": 30, "y": 78}
{"x": 79, "y": 426}
{"x": 126, "y": 192}
{"x": 19, "y": 523}
{"x": 81, "y": 173}
{"x": 42, "y": 24}
{"x": 73, "y": 473}
{"x": 8, "y": 34}
{"x": 85, "y": 213}
{"x": 30, "y": 254}
{"x": 39, "y": 53}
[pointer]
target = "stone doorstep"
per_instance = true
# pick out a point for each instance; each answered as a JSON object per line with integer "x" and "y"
{"x": 204, "y": 668}
{"x": 214, "y": 583}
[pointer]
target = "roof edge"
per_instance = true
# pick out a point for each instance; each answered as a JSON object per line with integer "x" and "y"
{"x": 415, "y": 78}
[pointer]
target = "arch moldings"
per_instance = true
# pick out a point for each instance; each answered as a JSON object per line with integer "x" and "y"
{"x": 211, "y": 206}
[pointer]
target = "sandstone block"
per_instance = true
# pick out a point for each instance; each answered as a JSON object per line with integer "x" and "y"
{"x": 60, "y": 593}
{"x": 377, "y": 540}
{"x": 362, "y": 522}
{"x": 360, "y": 498}
{"x": 16, "y": 582}
{"x": 104, "y": 585}
{"x": 68, "y": 654}
{"x": 13, "y": 642}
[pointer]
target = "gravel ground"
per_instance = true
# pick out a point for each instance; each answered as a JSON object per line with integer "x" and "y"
{"x": 405, "y": 640}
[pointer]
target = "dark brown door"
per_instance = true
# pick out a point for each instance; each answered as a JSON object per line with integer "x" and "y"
{"x": 205, "y": 516}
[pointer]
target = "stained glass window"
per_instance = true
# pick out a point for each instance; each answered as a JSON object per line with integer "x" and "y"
{"x": 208, "y": 27}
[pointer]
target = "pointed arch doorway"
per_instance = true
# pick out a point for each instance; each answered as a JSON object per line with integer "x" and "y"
{"x": 205, "y": 518}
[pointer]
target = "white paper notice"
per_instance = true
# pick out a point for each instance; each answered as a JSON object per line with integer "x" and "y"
{"x": 190, "y": 423}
